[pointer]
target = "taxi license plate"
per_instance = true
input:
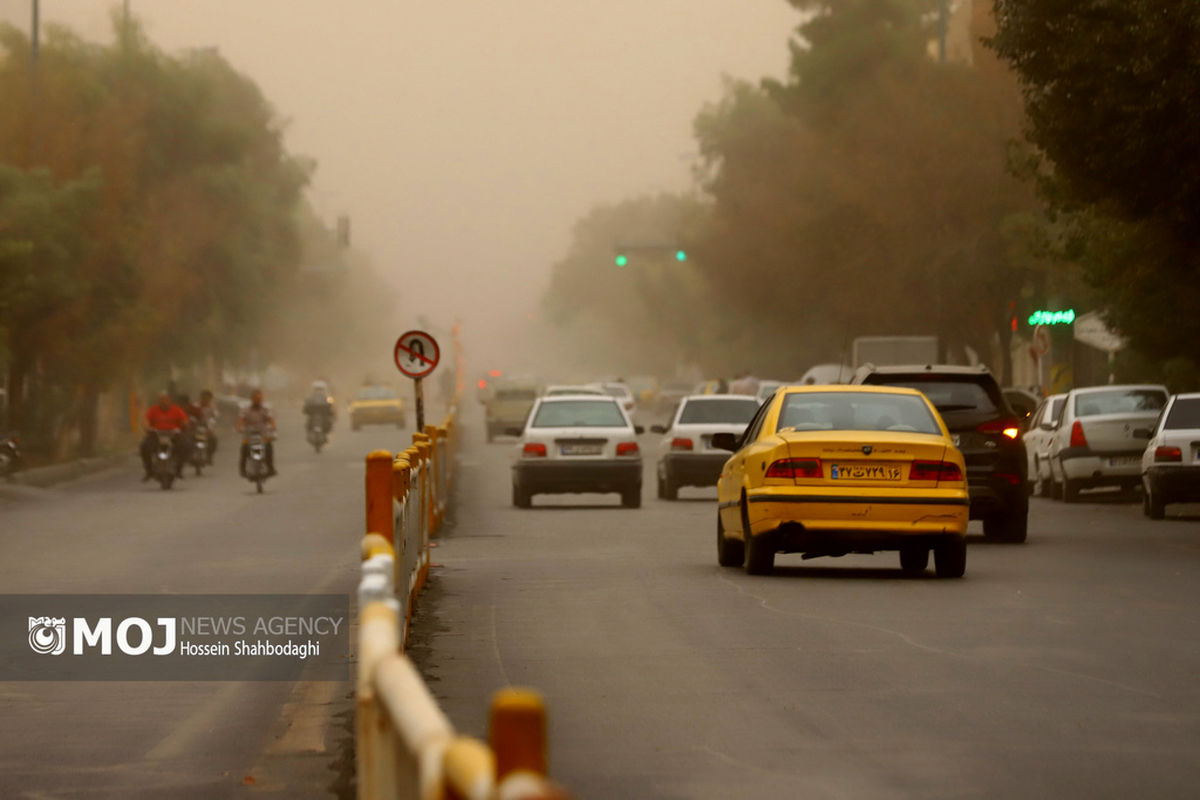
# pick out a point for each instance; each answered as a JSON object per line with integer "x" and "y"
{"x": 864, "y": 472}
{"x": 580, "y": 450}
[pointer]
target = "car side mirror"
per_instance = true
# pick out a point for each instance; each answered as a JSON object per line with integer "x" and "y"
{"x": 513, "y": 432}
{"x": 725, "y": 441}
{"x": 1143, "y": 433}
{"x": 639, "y": 429}
{"x": 658, "y": 429}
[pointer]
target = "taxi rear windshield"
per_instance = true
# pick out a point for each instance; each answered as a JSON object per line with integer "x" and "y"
{"x": 1184, "y": 414}
{"x": 579, "y": 414}
{"x": 717, "y": 412}
{"x": 1119, "y": 401}
{"x": 856, "y": 411}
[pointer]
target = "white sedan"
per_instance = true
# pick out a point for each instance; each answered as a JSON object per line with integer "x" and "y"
{"x": 1042, "y": 426}
{"x": 573, "y": 444}
{"x": 1171, "y": 462}
{"x": 686, "y": 456}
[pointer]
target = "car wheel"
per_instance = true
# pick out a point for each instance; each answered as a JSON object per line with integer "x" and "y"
{"x": 1152, "y": 504}
{"x": 914, "y": 558}
{"x": 1070, "y": 490}
{"x": 760, "y": 556}
{"x": 354, "y": 426}
{"x": 632, "y": 497}
{"x": 670, "y": 490}
{"x": 661, "y": 488}
{"x": 730, "y": 552}
{"x": 950, "y": 557}
{"x": 520, "y": 497}
{"x": 1010, "y": 526}
{"x": 490, "y": 436}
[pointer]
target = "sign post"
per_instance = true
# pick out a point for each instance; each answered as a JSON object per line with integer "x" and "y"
{"x": 416, "y": 355}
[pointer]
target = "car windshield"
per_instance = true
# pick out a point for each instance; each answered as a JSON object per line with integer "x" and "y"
{"x": 856, "y": 411}
{"x": 951, "y": 395}
{"x": 516, "y": 394}
{"x": 377, "y": 393}
{"x": 1119, "y": 401}
{"x": 579, "y": 414}
{"x": 1185, "y": 413}
{"x": 732, "y": 410}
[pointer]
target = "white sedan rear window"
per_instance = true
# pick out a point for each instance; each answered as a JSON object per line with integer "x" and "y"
{"x": 1185, "y": 414}
{"x": 1119, "y": 401}
{"x": 579, "y": 414}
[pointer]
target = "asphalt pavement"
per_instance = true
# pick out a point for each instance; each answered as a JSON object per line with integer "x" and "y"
{"x": 1065, "y": 667}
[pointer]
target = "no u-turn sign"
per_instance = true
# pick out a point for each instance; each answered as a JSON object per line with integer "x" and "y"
{"x": 416, "y": 354}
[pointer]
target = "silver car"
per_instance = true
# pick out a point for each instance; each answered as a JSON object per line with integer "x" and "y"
{"x": 1042, "y": 426}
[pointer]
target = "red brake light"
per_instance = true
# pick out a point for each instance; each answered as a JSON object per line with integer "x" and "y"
{"x": 627, "y": 448}
{"x": 796, "y": 468}
{"x": 935, "y": 471}
{"x": 1005, "y": 427}
{"x": 1168, "y": 454}
{"x": 482, "y": 383}
{"x": 1077, "y": 437}
{"x": 680, "y": 443}
{"x": 495, "y": 373}
{"x": 534, "y": 450}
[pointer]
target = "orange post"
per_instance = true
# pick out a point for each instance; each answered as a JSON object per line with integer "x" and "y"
{"x": 518, "y": 731}
{"x": 379, "y": 494}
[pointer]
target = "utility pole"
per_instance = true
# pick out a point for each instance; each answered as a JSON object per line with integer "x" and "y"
{"x": 943, "y": 25}
{"x": 33, "y": 32}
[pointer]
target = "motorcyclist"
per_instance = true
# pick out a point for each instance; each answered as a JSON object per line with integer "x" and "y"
{"x": 163, "y": 416}
{"x": 318, "y": 406}
{"x": 256, "y": 418}
{"x": 206, "y": 414}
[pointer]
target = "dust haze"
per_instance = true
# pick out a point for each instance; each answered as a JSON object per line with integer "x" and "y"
{"x": 463, "y": 140}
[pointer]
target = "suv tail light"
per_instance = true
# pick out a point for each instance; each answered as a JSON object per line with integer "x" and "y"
{"x": 533, "y": 450}
{"x": 935, "y": 471}
{"x": 681, "y": 443}
{"x": 627, "y": 448}
{"x": 1008, "y": 428}
{"x": 1077, "y": 437}
{"x": 796, "y": 468}
{"x": 1168, "y": 454}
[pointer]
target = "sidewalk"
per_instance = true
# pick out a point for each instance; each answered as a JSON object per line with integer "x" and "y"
{"x": 51, "y": 474}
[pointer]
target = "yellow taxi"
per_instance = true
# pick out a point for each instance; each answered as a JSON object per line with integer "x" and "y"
{"x": 833, "y": 470}
{"x": 376, "y": 405}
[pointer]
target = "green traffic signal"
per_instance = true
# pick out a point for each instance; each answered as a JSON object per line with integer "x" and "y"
{"x": 621, "y": 260}
{"x": 680, "y": 255}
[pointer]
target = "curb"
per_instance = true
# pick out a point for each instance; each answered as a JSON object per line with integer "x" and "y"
{"x": 42, "y": 477}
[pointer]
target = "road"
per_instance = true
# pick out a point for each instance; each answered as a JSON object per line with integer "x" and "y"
{"x": 1065, "y": 667}
{"x": 111, "y": 533}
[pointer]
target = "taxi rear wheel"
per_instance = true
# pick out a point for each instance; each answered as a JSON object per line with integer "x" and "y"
{"x": 914, "y": 558}
{"x": 760, "y": 555}
{"x": 730, "y": 552}
{"x": 520, "y": 497}
{"x": 950, "y": 557}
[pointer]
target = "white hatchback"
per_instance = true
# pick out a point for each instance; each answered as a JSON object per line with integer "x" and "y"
{"x": 1101, "y": 437}
{"x": 575, "y": 444}
{"x": 1171, "y": 461}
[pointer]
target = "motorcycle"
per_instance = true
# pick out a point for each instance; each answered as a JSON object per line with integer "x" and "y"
{"x": 10, "y": 454}
{"x": 316, "y": 433}
{"x": 256, "y": 460}
{"x": 201, "y": 455}
{"x": 162, "y": 459}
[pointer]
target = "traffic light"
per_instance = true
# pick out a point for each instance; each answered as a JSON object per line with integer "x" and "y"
{"x": 681, "y": 255}
{"x": 621, "y": 260}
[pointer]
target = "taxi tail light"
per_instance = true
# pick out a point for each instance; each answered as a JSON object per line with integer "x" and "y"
{"x": 1008, "y": 428}
{"x": 482, "y": 383}
{"x": 534, "y": 450}
{"x": 795, "y": 468}
{"x": 1077, "y": 437}
{"x": 681, "y": 443}
{"x": 946, "y": 471}
{"x": 1168, "y": 454}
{"x": 627, "y": 448}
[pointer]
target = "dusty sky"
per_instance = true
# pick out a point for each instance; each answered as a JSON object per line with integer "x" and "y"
{"x": 465, "y": 137}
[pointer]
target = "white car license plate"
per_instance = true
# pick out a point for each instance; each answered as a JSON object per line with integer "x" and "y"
{"x": 1123, "y": 461}
{"x": 580, "y": 450}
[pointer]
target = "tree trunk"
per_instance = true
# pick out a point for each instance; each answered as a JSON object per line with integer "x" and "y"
{"x": 88, "y": 410}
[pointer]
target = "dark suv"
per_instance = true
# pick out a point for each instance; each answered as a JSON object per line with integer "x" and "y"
{"x": 984, "y": 428}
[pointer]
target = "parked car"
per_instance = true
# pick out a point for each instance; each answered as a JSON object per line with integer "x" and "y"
{"x": 686, "y": 455}
{"x": 1042, "y": 426}
{"x": 828, "y": 471}
{"x": 554, "y": 390}
{"x": 766, "y": 389}
{"x": 825, "y": 374}
{"x": 376, "y": 405}
{"x": 1101, "y": 437}
{"x": 984, "y": 428}
{"x": 1023, "y": 403}
{"x": 507, "y": 405}
{"x": 622, "y": 393}
{"x": 574, "y": 444}
{"x": 1171, "y": 460}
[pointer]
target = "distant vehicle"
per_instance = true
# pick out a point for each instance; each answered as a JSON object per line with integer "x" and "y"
{"x": 670, "y": 394}
{"x": 828, "y": 471}
{"x": 686, "y": 456}
{"x": 1171, "y": 460}
{"x": 1023, "y": 402}
{"x": 826, "y": 374}
{"x": 1043, "y": 425}
{"x": 576, "y": 444}
{"x": 984, "y": 428}
{"x": 766, "y": 389}
{"x": 645, "y": 390}
{"x": 556, "y": 390}
{"x": 376, "y": 405}
{"x": 891, "y": 350}
{"x": 1098, "y": 441}
{"x": 713, "y": 386}
{"x": 10, "y": 453}
{"x": 508, "y": 404}
{"x": 622, "y": 393}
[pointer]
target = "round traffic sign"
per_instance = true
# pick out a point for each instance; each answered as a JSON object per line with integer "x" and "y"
{"x": 416, "y": 354}
{"x": 1041, "y": 340}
